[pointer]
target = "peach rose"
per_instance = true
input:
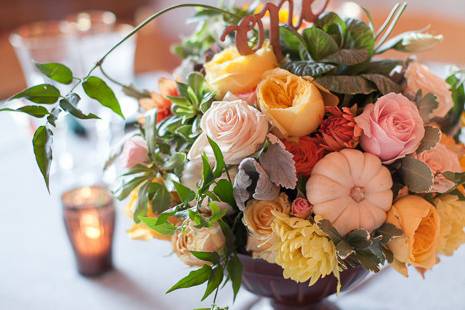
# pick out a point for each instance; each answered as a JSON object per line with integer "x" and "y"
{"x": 230, "y": 71}
{"x": 294, "y": 105}
{"x": 419, "y": 77}
{"x": 301, "y": 207}
{"x": 392, "y": 127}
{"x": 134, "y": 152}
{"x": 205, "y": 239}
{"x": 440, "y": 159}
{"x": 420, "y": 224}
{"x": 238, "y": 128}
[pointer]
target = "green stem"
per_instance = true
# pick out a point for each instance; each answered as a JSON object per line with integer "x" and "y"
{"x": 110, "y": 78}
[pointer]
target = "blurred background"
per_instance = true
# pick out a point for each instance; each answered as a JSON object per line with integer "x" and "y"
{"x": 37, "y": 268}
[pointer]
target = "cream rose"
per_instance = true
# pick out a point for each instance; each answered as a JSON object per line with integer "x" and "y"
{"x": 230, "y": 71}
{"x": 419, "y": 77}
{"x": 294, "y": 105}
{"x": 205, "y": 239}
{"x": 238, "y": 128}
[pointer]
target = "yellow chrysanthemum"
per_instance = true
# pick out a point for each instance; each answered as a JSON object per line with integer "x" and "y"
{"x": 303, "y": 250}
{"x": 452, "y": 214}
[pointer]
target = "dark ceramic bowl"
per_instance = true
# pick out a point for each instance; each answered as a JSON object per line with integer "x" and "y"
{"x": 264, "y": 279}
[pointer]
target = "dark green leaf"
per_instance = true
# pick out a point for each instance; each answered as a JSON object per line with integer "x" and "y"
{"x": 456, "y": 177}
{"x": 348, "y": 57}
{"x": 344, "y": 249}
{"x": 416, "y": 175}
{"x": 207, "y": 172}
{"x": 214, "y": 281}
{"x": 359, "y": 239}
{"x": 36, "y": 111}
{"x": 185, "y": 194}
{"x": 97, "y": 89}
{"x": 219, "y": 159}
{"x": 359, "y": 35}
{"x": 319, "y": 43}
{"x": 68, "y": 107}
{"x": 142, "y": 203}
{"x": 57, "y": 72}
{"x": 211, "y": 257}
{"x": 309, "y": 68}
{"x": 235, "y": 273}
{"x": 430, "y": 140}
{"x": 224, "y": 190}
{"x": 127, "y": 185}
{"x": 384, "y": 67}
{"x": 291, "y": 41}
{"x": 426, "y": 105}
{"x": 159, "y": 197}
{"x": 194, "y": 278}
{"x": 456, "y": 82}
{"x": 43, "y": 93}
{"x": 384, "y": 84}
{"x": 332, "y": 24}
{"x": 388, "y": 232}
{"x": 150, "y": 129}
{"x": 42, "y": 143}
{"x": 328, "y": 229}
{"x": 175, "y": 161}
{"x": 344, "y": 84}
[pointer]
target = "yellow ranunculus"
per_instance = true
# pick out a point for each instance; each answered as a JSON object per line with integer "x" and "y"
{"x": 420, "y": 223}
{"x": 230, "y": 71}
{"x": 452, "y": 214}
{"x": 303, "y": 250}
{"x": 293, "y": 104}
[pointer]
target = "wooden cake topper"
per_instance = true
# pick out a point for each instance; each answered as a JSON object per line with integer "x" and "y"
{"x": 249, "y": 23}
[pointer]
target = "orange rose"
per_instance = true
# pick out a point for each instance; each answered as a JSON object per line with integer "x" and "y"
{"x": 159, "y": 100}
{"x": 339, "y": 130}
{"x": 306, "y": 153}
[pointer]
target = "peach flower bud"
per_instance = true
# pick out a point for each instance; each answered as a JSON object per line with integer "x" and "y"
{"x": 134, "y": 152}
{"x": 301, "y": 207}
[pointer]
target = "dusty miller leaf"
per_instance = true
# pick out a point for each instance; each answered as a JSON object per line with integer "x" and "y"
{"x": 280, "y": 165}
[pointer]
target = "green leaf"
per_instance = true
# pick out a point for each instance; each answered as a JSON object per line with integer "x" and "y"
{"x": 207, "y": 173}
{"x": 430, "y": 140}
{"x": 97, "y": 89}
{"x": 159, "y": 197}
{"x": 43, "y": 93}
{"x": 175, "y": 161}
{"x": 57, "y": 72}
{"x": 224, "y": 190}
{"x": 426, "y": 105}
{"x": 456, "y": 177}
{"x": 344, "y": 84}
{"x": 219, "y": 159}
{"x": 416, "y": 175}
{"x": 332, "y": 24}
{"x": 198, "y": 219}
{"x": 456, "y": 82}
{"x": 309, "y": 68}
{"x": 217, "y": 213}
{"x": 196, "y": 80}
{"x": 359, "y": 35}
{"x": 150, "y": 130}
{"x": 35, "y": 111}
{"x": 211, "y": 257}
{"x": 214, "y": 281}
{"x": 384, "y": 84}
{"x": 384, "y": 67}
{"x": 319, "y": 43}
{"x": 142, "y": 204}
{"x": 359, "y": 239}
{"x": 291, "y": 41}
{"x": 328, "y": 229}
{"x": 348, "y": 57}
{"x": 388, "y": 232}
{"x": 127, "y": 185}
{"x": 185, "y": 194}
{"x": 194, "y": 278}
{"x": 42, "y": 143}
{"x": 71, "y": 109}
{"x": 166, "y": 228}
{"x": 234, "y": 268}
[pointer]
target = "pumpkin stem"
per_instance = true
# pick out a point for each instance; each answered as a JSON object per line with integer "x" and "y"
{"x": 357, "y": 193}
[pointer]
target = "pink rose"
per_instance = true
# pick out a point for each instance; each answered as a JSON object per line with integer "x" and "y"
{"x": 419, "y": 77}
{"x": 392, "y": 127}
{"x": 134, "y": 152}
{"x": 301, "y": 207}
{"x": 440, "y": 159}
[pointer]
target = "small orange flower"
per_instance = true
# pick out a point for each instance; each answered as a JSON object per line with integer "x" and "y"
{"x": 339, "y": 130}
{"x": 159, "y": 100}
{"x": 307, "y": 153}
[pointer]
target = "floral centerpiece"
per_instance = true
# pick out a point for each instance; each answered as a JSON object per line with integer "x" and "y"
{"x": 297, "y": 145}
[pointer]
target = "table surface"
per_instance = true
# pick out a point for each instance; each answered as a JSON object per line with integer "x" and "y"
{"x": 37, "y": 268}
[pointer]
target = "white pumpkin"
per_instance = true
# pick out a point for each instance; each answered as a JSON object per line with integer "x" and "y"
{"x": 351, "y": 189}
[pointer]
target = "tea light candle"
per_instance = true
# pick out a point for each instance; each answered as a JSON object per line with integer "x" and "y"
{"x": 89, "y": 218}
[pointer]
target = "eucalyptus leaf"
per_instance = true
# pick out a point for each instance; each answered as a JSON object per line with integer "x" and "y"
{"x": 416, "y": 175}
{"x": 309, "y": 68}
{"x": 35, "y": 111}
{"x": 43, "y": 94}
{"x": 56, "y": 71}
{"x": 194, "y": 278}
{"x": 97, "y": 89}
{"x": 42, "y": 143}
{"x": 319, "y": 43}
{"x": 345, "y": 84}
{"x": 430, "y": 140}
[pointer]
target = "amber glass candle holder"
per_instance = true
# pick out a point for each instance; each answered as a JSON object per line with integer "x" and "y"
{"x": 89, "y": 217}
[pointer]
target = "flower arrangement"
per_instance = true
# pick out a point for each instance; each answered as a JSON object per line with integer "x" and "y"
{"x": 304, "y": 149}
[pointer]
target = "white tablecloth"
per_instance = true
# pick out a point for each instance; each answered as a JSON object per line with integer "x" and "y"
{"x": 37, "y": 270}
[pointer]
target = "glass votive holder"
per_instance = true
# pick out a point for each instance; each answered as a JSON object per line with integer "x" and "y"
{"x": 89, "y": 217}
